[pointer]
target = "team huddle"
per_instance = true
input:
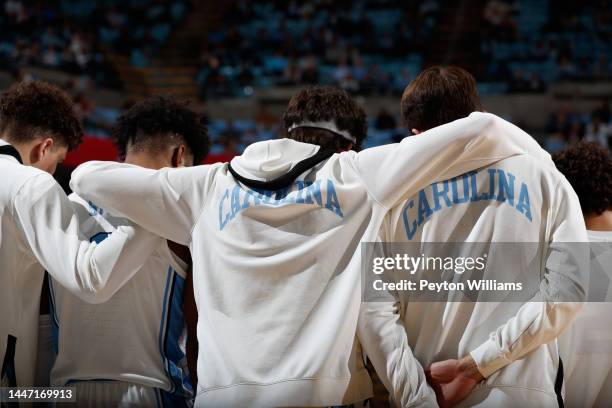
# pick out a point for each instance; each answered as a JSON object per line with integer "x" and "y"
{"x": 240, "y": 284}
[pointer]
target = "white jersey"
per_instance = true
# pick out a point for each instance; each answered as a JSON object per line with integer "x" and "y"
{"x": 516, "y": 200}
{"x": 38, "y": 231}
{"x": 138, "y": 335}
{"x": 277, "y": 273}
{"x": 586, "y": 346}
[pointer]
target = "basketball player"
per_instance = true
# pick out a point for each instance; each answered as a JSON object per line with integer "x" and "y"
{"x": 39, "y": 229}
{"x": 491, "y": 352}
{"x": 131, "y": 349}
{"x": 275, "y": 235}
{"x": 586, "y": 346}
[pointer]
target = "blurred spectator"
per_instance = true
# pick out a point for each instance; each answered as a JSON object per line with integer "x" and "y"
{"x": 385, "y": 120}
{"x": 566, "y": 68}
{"x": 501, "y": 23}
{"x": 230, "y": 132}
{"x": 599, "y": 131}
{"x": 310, "y": 73}
{"x": 535, "y": 83}
{"x": 559, "y": 121}
{"x": 264, "y": 119}
{"x": 603, "y": 111}
{"x": 230, "y": 145}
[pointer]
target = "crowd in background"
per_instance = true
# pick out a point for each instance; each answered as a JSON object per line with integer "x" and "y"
{"x": 372, "y": 47}
{"x": 565, "y": 127}
{"x": 80, "y": 37}
{"x": 368, "y": 47}
{"x": 365, "y": 46}
{"x": 529, "y": 44}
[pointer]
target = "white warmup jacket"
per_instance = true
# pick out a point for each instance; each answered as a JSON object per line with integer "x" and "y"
{"x": 586, "y": 345}
{"x": 277, "y": 273}
{"x": 38, "y": 231}
{"x": 522, "y": 199}
{"x": 136, "y": 336}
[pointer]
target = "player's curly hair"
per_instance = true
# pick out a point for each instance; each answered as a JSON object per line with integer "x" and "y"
{"x": 161, "y": 117}
{"x": 30, "y": 110}
{"x": 325, "y": 103}
{"x": 588, "y": 168}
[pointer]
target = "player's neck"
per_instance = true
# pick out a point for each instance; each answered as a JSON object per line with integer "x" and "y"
{"x": 601, "y": 222}
{"x": 144, "y": 159}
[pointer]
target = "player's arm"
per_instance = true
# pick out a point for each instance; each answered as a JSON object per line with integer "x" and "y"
{"x": 48, "y": 225}
{"x": 397, "y": 171}
{"x": 561, "y": 293}
{"x": 384, "y": 340}
{"x": 166, "y": 202}
{"x": 115, "y": 280}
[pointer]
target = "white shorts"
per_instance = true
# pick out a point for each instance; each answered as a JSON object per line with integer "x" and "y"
{"x": 122, "y": 394}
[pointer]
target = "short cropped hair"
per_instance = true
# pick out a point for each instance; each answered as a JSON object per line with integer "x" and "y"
{"x": 30, "y": 110}
{"x": 439, "y": 95}
{"x": 325, "y": 104}
{"x": 156, "y": 121}
{"x": 588, "y": 168}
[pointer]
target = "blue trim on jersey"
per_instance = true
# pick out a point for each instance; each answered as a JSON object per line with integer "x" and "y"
{"x": 162, "y": 325}
{"x": 172, "y": 329}
{"x": 53, "y": 313}
{"x": 165, "y": 399}
{"x": 99, "y": 237}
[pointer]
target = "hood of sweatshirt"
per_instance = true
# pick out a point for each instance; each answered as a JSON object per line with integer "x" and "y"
{"x": 271, "y": 159}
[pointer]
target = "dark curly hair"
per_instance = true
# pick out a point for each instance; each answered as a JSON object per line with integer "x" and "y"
{"x": 588, "y": 168}
{"x": 29, "y": 110}
{"x": 160, "y": 117}
{"x": 438, "y": 95}
{"x": 324, "y": 103}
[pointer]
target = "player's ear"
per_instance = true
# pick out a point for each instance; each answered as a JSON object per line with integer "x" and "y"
{"x": 178, "y": 156}
{"x": 41, "y": 149}
{"x": 347, "y": 148}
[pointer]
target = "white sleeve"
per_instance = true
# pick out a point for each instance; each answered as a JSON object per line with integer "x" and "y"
{"x": 50, "y": 228}
{"x": 166, "y": 202}
{"x": 384, "y": 340}
{"x": 394, "y": 172}
{"x": 561, "y": 293}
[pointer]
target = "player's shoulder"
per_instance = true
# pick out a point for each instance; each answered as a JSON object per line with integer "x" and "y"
{"x": 196, "y": 177}
{"x": 20, "y": 174}
{"x": 30, "y": 182}
{"x": 539, "y": 166}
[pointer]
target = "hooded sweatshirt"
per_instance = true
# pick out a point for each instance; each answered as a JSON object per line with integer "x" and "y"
{"x": 523, "y": 214}
{"x": 277, "y": 272}
{"x": 39, "y": 231}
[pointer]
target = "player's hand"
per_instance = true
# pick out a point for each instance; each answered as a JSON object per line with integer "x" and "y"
{"x": 453, "y": 380}
{"x": 397, "y": 308}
